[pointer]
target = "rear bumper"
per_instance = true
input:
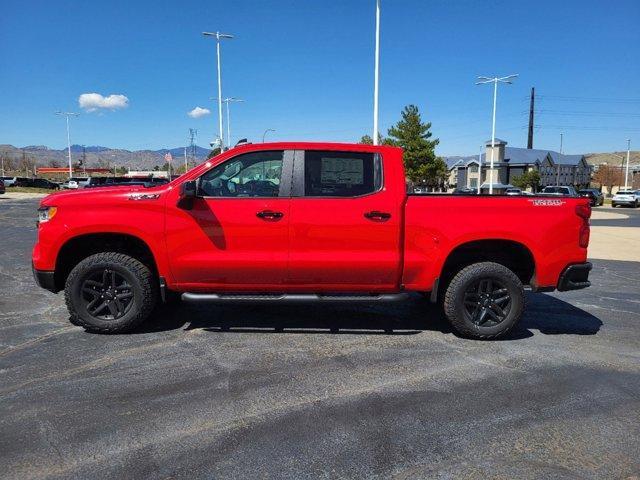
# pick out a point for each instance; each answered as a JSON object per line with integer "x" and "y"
{"x": 575, "y": 277}
{"x": 45, "y": 279}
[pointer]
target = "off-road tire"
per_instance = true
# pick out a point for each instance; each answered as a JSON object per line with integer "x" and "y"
{"x": 143, "y": 286}
{"x": 454, "y": 300}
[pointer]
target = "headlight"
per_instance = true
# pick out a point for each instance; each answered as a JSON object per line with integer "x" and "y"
{"x": 46, "y": 213}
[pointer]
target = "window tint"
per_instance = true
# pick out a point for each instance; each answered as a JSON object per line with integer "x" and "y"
{"x": 341, "y": 174}
{"x": 254, "y": 174}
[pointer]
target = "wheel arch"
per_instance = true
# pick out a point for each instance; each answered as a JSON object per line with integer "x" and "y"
{"x": 77, "y": 248}
{"x": 512, "y": 254}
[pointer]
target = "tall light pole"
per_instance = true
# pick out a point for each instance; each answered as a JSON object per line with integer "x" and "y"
{"x": 265, "y": 133}
{"x": 626, "y": 173}
{"x": 227, "y": 101}
{"x": 219, "y": 36}
{"x": 376, "y": 75}
{"x": 495, "y": 81}
{"x": 67, "y": 115}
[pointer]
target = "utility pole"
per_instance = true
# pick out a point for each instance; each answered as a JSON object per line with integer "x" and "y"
{"x": 185, "y": 159}
{"x": 376, "y": 75}
{"x": 626, "y": 173}
{"x": 67, "y": 115}
{"x": 531, "y": 102}
{"x": 480, "y": 169}
{"x": 495, "y": 81}
{"x": 561, "y": 139}
{"x": 218, "y": 36}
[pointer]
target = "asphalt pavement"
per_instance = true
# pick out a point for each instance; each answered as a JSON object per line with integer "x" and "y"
{"x": 318, "y": 391}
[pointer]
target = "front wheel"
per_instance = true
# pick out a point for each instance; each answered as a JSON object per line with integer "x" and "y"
{"x": 484, "y": 300}
{"x": 110, "y": 292}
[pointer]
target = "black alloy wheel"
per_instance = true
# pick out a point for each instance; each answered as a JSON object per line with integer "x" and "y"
{"x": 487, "y": 302}
{"x": 106, "y": 294}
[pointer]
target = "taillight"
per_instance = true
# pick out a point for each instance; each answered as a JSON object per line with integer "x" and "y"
{"x": 583, "y": 210}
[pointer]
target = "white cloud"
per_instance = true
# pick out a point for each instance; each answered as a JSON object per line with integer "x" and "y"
{"x": 94, "y": 101}
{"x": 199, "y": 112}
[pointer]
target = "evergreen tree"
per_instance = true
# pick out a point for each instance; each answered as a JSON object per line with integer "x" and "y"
{"x": 420, "y": 161}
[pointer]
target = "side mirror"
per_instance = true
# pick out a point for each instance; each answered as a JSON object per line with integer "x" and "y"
{"x": 188, "y": 191}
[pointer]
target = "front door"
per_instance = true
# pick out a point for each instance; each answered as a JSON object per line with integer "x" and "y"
{"x": 235, "y": 238}
{"x": 345, "y": 226}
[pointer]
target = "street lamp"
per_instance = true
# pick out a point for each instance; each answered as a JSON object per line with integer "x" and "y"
{"x": 375, "y": 75}
{"x": 265, "y": 133}
{"x": 219, "y": 36}
{"x": 67, "y": 115}
{"x": 495, "y": 81}
{"x": 227, "y": 101}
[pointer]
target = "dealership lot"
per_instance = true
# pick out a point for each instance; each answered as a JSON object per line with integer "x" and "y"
{"x": 329, "y": 392}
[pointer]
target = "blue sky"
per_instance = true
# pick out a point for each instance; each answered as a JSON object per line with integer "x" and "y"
{"x": 305, "y": 69}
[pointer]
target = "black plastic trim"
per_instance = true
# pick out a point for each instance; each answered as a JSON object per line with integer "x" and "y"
{"x": 45, "y": 279}
{"x": 575, "y": 277}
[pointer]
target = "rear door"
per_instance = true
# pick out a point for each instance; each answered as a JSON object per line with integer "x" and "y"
{"x": 344, "y": 224}
{"x": 236, "y": 236}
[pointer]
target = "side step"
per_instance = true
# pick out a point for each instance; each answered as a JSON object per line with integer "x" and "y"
{"x": 289, "y": 298}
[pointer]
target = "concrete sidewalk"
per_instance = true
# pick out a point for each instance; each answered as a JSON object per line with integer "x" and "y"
{"x": 620, "y": 242}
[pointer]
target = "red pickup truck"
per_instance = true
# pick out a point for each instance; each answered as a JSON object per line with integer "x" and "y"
{"x": 308, "y": 222}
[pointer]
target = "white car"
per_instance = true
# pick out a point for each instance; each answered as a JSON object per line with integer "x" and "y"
{"x": 513, "y": 191}
{"x": 630, "y": 198}
{"x": 70, "y": 185}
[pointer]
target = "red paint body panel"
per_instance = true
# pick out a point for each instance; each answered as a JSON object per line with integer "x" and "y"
{"x": 319, "y": 244}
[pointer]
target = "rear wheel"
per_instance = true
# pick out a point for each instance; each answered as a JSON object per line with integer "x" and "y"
{"x": 110, "y": 293}
{"x": 484, "y": 300}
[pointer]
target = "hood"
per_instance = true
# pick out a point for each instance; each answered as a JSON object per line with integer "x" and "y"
{"x": 98, "y": 194}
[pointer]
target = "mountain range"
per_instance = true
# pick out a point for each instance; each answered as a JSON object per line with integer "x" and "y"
{"x": 97, "y": 155}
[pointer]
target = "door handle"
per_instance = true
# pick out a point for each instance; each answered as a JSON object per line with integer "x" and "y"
{"x": 269, "y": 215}
{"x": 376, "y": 215}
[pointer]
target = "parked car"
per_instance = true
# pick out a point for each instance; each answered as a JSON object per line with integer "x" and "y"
{"x": 43, "y": 183}
{"x": 630, "y": 198}
{"x": 314, "y": 222}
{"x": 513, "y": 191}
{"x": 75, "y": 183}
{"x": 2, "y": 188}
{"x": 594, "y": 195}
{"x": 21, "y": 182}
{"x": 465, "y": 191}
{"x": 9, "y": 181}
{"x": 565, "y": 190}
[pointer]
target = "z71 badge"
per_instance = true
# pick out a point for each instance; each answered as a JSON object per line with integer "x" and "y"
{"x": 540, "y": 202}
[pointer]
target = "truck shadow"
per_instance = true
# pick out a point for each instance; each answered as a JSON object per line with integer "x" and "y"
{"x": 544, "y": 313}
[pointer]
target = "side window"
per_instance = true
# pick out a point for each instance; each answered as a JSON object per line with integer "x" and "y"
{"x": 341, "y": 174}
{"x": 255, "y": 174}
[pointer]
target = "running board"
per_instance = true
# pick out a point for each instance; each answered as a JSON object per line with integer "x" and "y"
{"x": 289, "y": 298}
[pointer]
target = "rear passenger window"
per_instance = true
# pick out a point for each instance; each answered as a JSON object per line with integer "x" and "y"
{"x": 341, "y": 174}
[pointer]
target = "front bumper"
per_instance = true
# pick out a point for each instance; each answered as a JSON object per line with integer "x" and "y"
{"x": 575, "y": 277}
{"x": 45, "y": 279}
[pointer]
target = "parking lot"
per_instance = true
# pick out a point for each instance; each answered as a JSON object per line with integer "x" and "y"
{"x": 324, "y": 391}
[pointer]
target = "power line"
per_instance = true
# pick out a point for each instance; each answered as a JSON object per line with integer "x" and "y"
{"x": 588, "y": 99}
